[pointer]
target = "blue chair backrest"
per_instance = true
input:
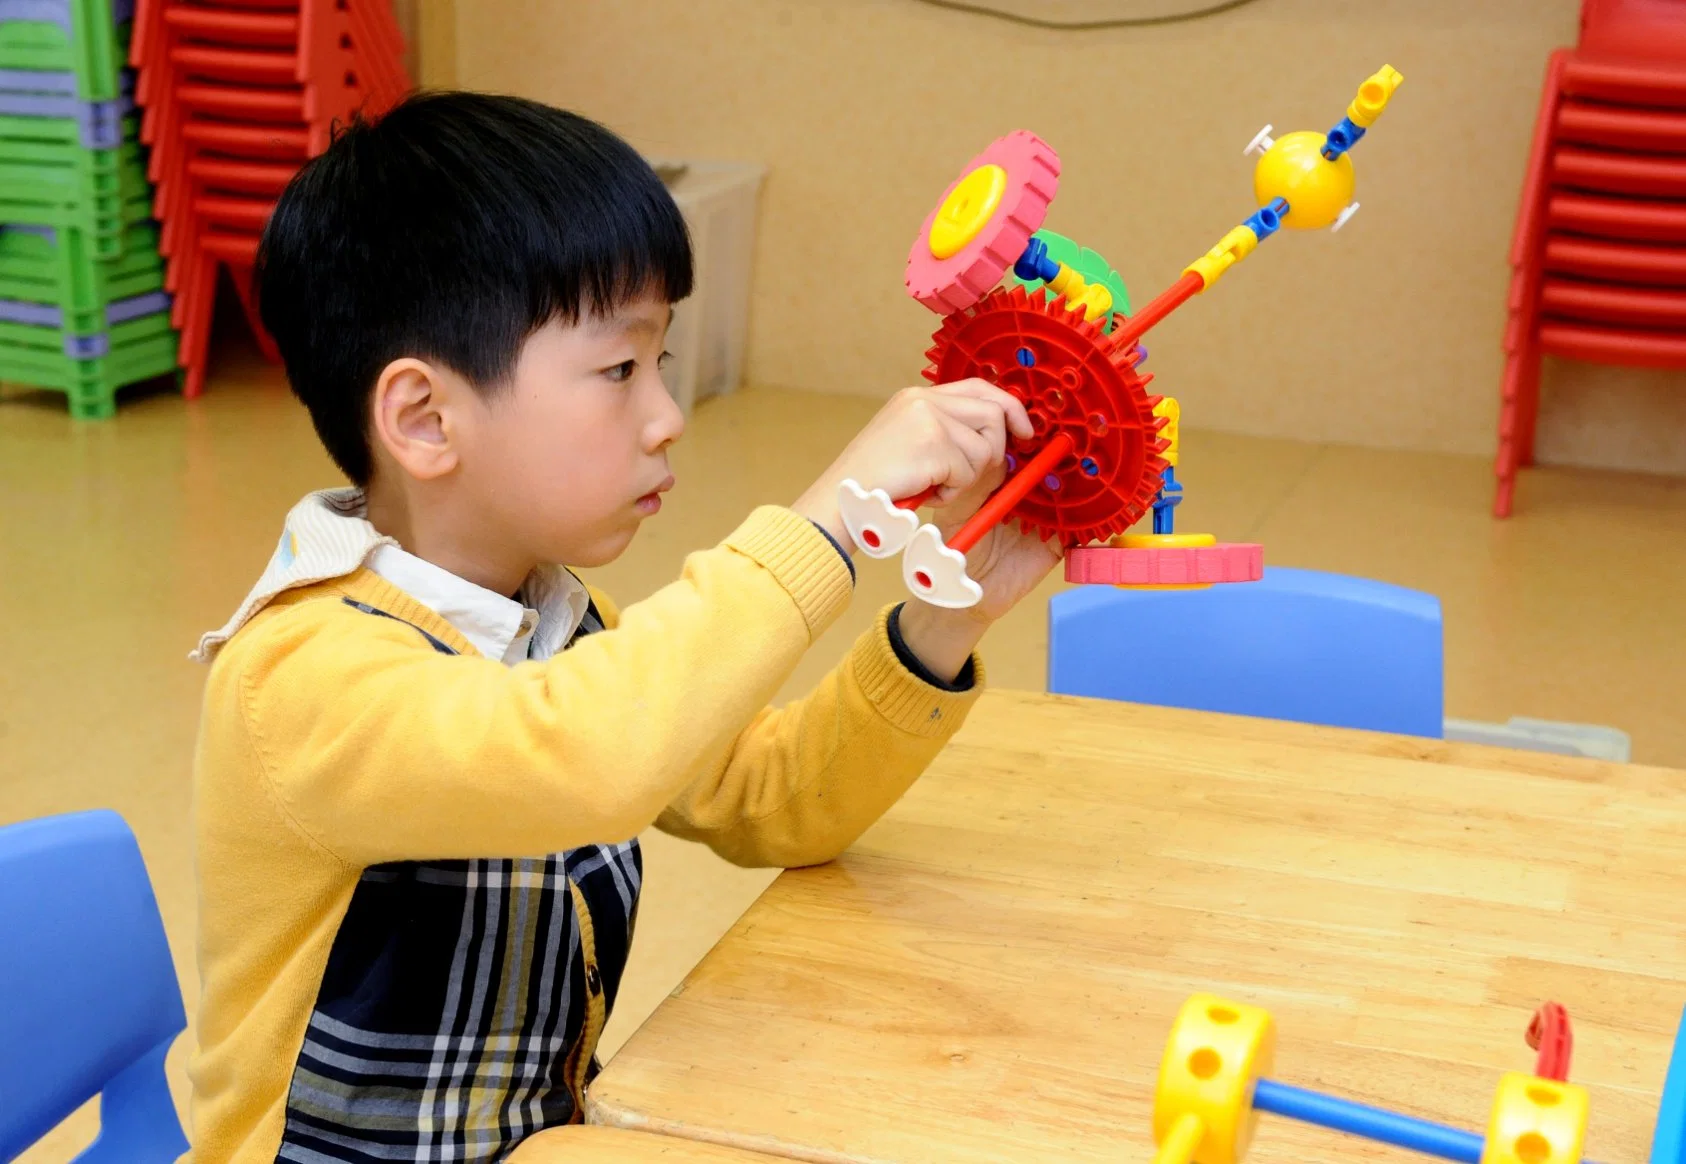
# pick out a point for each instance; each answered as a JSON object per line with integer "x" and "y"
{"x": 1297, "y": 645}
{"x": 1668, "y": 1142}
{"x": 89, "y": 1003}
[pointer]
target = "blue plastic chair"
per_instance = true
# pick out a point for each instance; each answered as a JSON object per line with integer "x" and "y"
{"x": 89, "y": 1003}
{"x": 1668, "y": 1144}
{"x": 1297, "y": 645}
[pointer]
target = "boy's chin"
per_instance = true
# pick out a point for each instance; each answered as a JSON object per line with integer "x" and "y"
{"x": 601, "y": 551}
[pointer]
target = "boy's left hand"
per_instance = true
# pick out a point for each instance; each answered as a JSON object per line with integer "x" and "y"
{"x": 1007, "y": 563}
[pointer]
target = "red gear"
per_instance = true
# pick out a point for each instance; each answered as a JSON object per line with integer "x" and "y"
{"x": 1079, "y": 381}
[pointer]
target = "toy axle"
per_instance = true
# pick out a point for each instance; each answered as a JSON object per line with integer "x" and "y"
{"x": 1179, "y": 293}
{"x": 1018, "y": 486}
{"x": 1372, "y": 1123}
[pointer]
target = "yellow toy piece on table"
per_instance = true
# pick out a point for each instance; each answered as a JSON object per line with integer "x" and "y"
{"x": 1536, "y": 1121}
{"x": 1203, "y": 1106}
{"x": 1213, "y": 1085}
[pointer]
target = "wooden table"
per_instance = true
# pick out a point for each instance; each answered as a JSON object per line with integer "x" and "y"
{"x": 990, "y": 974}
{"x": 587, "y": 1145}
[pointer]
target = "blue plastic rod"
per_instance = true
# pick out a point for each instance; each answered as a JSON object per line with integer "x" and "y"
{"x": 1373, "y": 1123}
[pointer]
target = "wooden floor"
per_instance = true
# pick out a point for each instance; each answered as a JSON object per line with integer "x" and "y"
{"x": 120, "y": 542}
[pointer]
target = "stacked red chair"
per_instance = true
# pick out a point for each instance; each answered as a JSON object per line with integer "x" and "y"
{"x": 236, "y": 96}
{"x": 1599, "y": 254}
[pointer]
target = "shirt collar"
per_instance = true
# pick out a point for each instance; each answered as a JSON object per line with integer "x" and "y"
{"x": 327, "y": 536}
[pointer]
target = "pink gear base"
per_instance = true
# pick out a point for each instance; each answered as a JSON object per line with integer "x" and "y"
{"x": 1172, "y": 566}
{"x": 957, "y": 282}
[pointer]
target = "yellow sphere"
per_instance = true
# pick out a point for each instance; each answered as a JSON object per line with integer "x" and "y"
{"x": 1216, "y": 1053}
{"x": 1317, "y": 189}
{"x": 1536, "y": 1121}
{"x": 967, "y": 210}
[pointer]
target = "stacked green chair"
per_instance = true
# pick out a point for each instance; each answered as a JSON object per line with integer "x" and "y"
{"x": 83, "y": 308}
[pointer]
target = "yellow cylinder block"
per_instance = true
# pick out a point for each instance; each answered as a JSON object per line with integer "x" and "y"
{"x": 1231, "y": 249}
{"x": 1216, "y": 1053}
{"x": 1093, "y": 299}
{"x": 1172, "y": 432}
{"x": 1317, "y": 189}
{"x": 1373, "y": 96}
{"x": 1536, "y": 1121}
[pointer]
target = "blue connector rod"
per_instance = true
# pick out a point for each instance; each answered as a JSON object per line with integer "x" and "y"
{"x": 1342, "y": 138}
{"x": 1035, "y": 264}
{"x": 1267, "y": 219}
{"x": 1372, "y": 1123}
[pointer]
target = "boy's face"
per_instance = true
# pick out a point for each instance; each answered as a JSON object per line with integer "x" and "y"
{"x": 572, "y": 455}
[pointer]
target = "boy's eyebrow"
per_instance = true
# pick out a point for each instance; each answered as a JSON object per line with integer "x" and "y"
{"x": 637, "y": 325}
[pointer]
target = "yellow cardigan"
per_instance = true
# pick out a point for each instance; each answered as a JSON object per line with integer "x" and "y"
{"x": 332, "y": 741}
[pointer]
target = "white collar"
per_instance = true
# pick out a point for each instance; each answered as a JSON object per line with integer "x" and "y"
{"x": 327, "y": 536}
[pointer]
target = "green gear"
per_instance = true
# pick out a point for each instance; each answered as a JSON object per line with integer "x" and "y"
{"x": 1088, "y": 263}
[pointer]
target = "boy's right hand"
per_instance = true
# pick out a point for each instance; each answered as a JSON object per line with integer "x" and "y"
{"x": 945, "y": 437}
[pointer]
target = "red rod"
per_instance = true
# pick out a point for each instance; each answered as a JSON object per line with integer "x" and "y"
{"x": 918, "y": 500}
{"x": 1018, "y": 486}
{"x": 1138, "y": 324}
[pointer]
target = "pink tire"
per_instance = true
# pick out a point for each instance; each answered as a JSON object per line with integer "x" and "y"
{"x": 957, "y": 282}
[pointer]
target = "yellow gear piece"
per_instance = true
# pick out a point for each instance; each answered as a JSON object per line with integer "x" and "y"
{"x": 1216, "y": 1053}
{"x": 1173, "y": 412}
{"x": 1094, "y": 298}
{"x": 1536, "y": 1121}
{"x": 1373, "y": 96}
{"x": 1170, "y": 541}
{"x": 1316, "y": 189}
{"x": 1231, "y": 249}
{"x": 967, "y": 210}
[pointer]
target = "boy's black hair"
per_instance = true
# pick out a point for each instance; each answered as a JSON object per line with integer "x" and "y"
{"x": 450, "y": 230}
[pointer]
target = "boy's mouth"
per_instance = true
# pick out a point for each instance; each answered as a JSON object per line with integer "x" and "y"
{"x": 651, "y": 502}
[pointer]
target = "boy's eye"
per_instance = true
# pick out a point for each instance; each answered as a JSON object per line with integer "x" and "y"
{"x": 621, "y": 372}
{"x": 664, "y": 359}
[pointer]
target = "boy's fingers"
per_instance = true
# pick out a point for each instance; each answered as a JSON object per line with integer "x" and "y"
{"x": 977, "y": 447}
{"x": 982, "y": 416}
{"x": 1018, "y": 420}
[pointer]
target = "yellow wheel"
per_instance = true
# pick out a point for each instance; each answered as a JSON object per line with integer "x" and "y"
{"x": 1317, "y": 189}
{"x": 967, "y": 210}
{"x": 1536, "y": 1121}
{"x": 1182, "y": 541}
{"x": 1203, "y": 1106}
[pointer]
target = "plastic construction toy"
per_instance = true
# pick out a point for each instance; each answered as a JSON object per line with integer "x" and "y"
{"x": 1060, "y": 338}
{"x": 1213, "y": 1085}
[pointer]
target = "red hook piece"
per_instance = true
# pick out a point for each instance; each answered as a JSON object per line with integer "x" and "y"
{"x": 1549, "y": 1034}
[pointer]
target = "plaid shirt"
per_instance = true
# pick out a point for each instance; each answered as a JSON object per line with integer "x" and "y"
{"x": 462, "y": 1003}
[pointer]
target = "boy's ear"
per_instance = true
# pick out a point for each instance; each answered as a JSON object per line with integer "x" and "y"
{"x": 415, "y": 416}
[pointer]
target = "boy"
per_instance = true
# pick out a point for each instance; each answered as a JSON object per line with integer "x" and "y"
{"x": 414, "y": 706}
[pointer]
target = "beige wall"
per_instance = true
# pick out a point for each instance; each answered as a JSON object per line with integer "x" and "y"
{"x": 1386, "y": 334}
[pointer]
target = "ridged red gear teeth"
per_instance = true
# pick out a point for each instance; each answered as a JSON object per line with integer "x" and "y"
{"x": 1128, "y": 452}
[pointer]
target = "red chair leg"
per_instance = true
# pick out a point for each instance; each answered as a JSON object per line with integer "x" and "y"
{"x": 1510, "y": 418}
{"x": 1528, "y": 401}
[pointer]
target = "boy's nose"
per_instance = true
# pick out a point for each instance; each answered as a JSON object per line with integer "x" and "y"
{"x": 668, "y": 423}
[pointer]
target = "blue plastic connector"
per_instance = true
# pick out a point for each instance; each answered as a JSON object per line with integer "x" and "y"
{"x": 1035, "y": 264}
{"x": 1165, "y": 504}
{"x": 1267, "y": 219}
{"x": 1342, "y": 138}
{"x": 1372, "y": 1123}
